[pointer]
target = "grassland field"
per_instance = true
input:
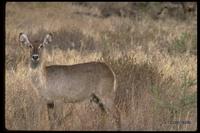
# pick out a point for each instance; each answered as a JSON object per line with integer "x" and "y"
{"x": 154, "y": 57}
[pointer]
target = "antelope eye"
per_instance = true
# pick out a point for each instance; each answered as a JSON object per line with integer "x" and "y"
{"x": 41, "y": 46}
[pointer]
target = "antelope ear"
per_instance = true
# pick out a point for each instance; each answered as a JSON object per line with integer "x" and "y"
{"x": 48, "y": 39}
{"x": 23, "y": 39}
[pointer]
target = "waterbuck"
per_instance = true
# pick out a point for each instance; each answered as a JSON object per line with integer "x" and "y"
{"x": 94, "y": 81}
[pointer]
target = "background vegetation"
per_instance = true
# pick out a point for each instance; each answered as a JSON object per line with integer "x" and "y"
{"x": 152, "y": 48}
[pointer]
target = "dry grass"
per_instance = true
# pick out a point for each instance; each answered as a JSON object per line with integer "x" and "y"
{"x": 154, "y": 59}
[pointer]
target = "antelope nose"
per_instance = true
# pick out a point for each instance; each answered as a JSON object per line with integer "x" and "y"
{"x": 35, "y": 57}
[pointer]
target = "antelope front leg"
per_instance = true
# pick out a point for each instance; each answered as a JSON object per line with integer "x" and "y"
{"x": 50, "y": 108}
{"x": 55, "y": 112}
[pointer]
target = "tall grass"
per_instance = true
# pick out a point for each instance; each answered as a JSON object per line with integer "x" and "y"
{"x": 154, "y": 60}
